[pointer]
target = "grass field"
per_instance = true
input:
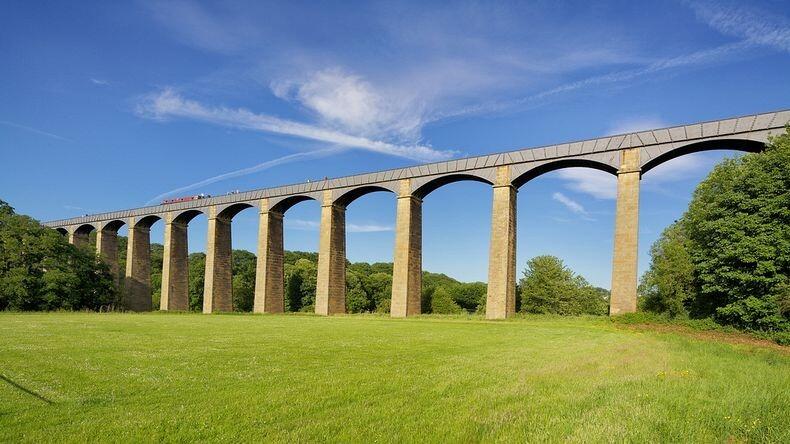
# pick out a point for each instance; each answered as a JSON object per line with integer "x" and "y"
{"x": 178, "y": 377}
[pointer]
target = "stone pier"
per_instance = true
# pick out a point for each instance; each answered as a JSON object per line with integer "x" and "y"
{"x": 175, "y": 267}
{"x": 501, "y": 299}
{"x": 330, "y": 297}
{"x": 78, "y": 239}
{"x": 137, "y": 285}
{"x": 218, "y": 288}
{"x": 407, "y": 266}
{"x": 269, "y": 273}
{"x": 626, "y": 234}
{"x": 107, "y": 249}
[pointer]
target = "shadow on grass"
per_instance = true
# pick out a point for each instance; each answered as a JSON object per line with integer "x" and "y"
{"x": 23, "y": 389}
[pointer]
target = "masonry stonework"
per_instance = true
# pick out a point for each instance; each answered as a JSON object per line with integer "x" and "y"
{"x": 330, "y": 295}
{"x": 501, "y": 299}
{"x": 175, "y": 267}
{"x": 107, "y": 249}
{"x": 218, "y": 285}
{"x": 269, "y": 277}
{"x": 626, "y": 235}
{"x": 407, "y": 258}
{"x": 137, "y": 284}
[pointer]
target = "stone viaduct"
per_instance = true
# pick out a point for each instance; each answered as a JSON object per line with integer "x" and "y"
{"x": 627, "y": 156}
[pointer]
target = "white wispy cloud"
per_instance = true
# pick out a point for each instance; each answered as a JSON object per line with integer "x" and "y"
{"x": 572, "y": 205}
{"x": 100, "y": 82}
{"x": 168, "y": 104}
{"x": 310, "y": 225}
{"x": 34, "y": 130}
{"x": 702, "y": 57}
{"x": 745, "y": 21}
{"x": 350, "y": 103}
{"x": 598, "y": 184}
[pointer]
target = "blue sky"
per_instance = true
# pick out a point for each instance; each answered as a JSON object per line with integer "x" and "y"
{"x": 106, "y": 106}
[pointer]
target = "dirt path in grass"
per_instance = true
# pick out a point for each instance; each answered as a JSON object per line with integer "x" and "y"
{"x": 731, "y": 338}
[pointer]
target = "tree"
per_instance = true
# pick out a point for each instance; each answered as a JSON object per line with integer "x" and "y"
{"x": 39, "y": 270}
{"x": 243, "y": 280}
{"x": 548, "y": 286}
{"x": 197, "y": 276}
{"x": 443, "y": 303}
{"x": 738, "y": 227}
{"x": 668, "y": 287}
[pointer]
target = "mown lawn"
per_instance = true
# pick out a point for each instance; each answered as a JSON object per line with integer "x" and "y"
{"x": 178, "y": 377}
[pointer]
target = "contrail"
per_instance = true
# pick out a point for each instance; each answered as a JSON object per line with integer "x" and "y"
{"x": 33, "y": 130}
{"x": 253, "y": 169}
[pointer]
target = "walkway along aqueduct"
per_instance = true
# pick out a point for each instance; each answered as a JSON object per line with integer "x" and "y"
{"x": 628, "y": 156}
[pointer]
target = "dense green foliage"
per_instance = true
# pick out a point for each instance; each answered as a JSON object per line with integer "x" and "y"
{"x": 161, "y": 377}
{"x": 728, "y": 257}
{"x": 39, "y": 270}
{"x": 548, "y": 286}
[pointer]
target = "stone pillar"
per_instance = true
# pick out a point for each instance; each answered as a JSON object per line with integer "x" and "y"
{"x": 407, "y": 266}
{"x": 626, "y": 234}
{"x": 218, "y": 289}
{"x": 330, "y": 297}
{"x": 175, "y": 267}
{"x": 501, "y": 299}
{"x": 269, "y": 273}
{"x": 107, "y": 249}
{"x": 78, "y": 239}
{"x": 137, "y": 285}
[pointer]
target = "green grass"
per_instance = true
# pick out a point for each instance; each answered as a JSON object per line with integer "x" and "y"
{"x": 178, "y": 377}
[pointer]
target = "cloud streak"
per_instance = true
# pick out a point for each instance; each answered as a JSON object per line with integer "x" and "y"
{"x": 168, "y": 103}
{"x": 572, "y": 205}
{"x": 751, "y": 24}
{"x": 296, "y": 157}
{"x": 34, "y": 130}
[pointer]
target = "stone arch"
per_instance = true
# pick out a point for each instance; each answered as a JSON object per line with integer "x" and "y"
{"x": 230, "y": 211}
{"x": 147, "y": 221}
{"x": 432, "y": 185}
{"x": 113, "y": 226}
{"x": 62, "y": 231}
{"x": 548, "y": 167}
{"x": 186, "y": 216}
{"x": 84, "y": 230}
{"x": 749, "y": 146}
{"x": 349, "y": 196}
{"x": 285, "y": 204}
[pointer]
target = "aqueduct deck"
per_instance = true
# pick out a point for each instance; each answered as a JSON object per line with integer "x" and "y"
{"x": 628, "y": 156}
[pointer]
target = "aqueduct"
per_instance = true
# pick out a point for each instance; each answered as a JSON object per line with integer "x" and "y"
{"x": 627, "y": 156}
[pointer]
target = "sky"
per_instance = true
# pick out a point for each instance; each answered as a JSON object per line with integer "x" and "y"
{"x": 114, "y": 105}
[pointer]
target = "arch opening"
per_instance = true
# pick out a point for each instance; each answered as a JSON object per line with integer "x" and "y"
{"x": 456, "y": 236}
{"x": 185, "y": 217}
{"x": 560, "y": 164}
{"x": 352, "y": 195}
{"x": 423, "y": 191}
{"x": 567, "y": 214}
{"x": 62, "y": 231}
{"x": 286, "y": 204}
{"x": 231, "y": 211}
{"x": 749, "y": 146}
{"x": 113, "y": 226}
{"x": 370, "y": 237}
{"x": 84, "y": 230}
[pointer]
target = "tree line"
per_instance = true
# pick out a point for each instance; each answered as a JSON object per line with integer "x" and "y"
{"x": 40, "y": 270}
{"x": 728, "y": 257}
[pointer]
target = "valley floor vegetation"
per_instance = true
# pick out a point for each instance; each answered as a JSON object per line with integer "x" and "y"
{"x": 175, "y": 377}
